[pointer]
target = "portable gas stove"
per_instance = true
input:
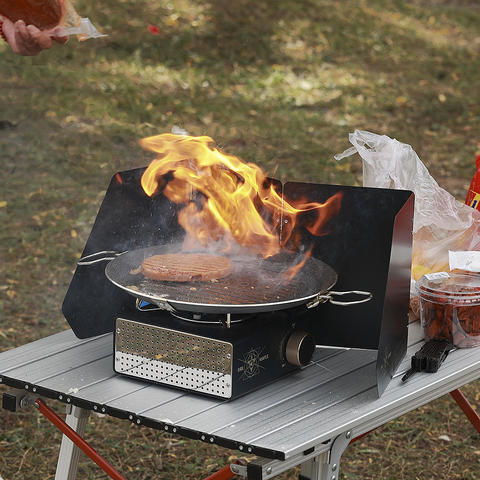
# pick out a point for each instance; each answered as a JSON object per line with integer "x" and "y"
{"x": 229, "y": 337}
{"x": 221, "y": 338}
{"x": 208, "y": 357}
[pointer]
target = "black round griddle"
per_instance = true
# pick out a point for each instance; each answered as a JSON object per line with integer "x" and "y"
{"x": 255, "y": 284}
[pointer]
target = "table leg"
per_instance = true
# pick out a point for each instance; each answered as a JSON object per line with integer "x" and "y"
{"x": 315, "y": 468}
{"x": 327, "y": 465}
{"x": 467, "y": 408}
{"x": 69, "y": 455}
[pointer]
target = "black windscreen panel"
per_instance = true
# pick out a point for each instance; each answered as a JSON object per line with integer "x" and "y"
{"x": 128, "y": 219}
{"x": 358, "y": 247}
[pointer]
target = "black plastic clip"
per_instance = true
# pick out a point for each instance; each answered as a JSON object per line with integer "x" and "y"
{"x": 429, "y": 357}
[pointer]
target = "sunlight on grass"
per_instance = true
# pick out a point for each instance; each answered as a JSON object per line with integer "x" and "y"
{"x": 277, "y": 83}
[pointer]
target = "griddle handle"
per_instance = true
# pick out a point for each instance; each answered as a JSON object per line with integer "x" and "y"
{"x": 368, "y": 296}
{"x": 327, "y": 297}
{"x": 102, "y": 256}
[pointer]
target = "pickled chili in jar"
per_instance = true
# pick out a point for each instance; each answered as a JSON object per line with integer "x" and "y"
{"x": 450, "y": 307}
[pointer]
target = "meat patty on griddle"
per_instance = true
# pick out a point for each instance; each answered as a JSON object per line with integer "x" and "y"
{"x": 186, "y": 267}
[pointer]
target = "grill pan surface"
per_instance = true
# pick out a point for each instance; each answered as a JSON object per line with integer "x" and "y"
{"x": 255, "y": 284}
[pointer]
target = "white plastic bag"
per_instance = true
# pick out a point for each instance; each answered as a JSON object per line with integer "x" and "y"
{"x": 441, "y": 223}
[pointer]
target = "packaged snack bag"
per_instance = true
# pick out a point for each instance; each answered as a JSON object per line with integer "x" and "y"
{"x": 441, "y": 223}
{"x": 446, "y": 232}
{"x": 48, "y": 14}
{"x": 473, "y": 195}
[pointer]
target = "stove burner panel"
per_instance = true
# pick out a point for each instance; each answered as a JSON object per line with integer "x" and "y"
{"x": 225, "y": 363}
{"x": 174, "y": 358}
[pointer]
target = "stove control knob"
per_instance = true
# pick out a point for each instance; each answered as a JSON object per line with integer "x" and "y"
{"x": 300, "y": 348}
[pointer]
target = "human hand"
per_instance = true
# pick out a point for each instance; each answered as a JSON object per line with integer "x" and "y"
{"x": 28, "y": 40}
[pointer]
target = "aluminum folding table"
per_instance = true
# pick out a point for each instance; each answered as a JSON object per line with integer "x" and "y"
{"x": 307, "y": 418}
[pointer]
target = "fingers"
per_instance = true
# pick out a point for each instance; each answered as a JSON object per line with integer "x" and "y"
{"x": 60, "y": 39}
{"x": 8, "y": 30}
{"x": 29, "y": 40}
{"x": 59, "y": 35}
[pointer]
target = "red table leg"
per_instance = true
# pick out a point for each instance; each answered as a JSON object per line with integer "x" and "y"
{"x": 467, "y": 409}
{"x": 223, "y": 474}
{"x": 78, "y": 440}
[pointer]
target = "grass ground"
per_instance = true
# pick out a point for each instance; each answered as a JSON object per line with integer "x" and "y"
{"x": 280, "y": 83}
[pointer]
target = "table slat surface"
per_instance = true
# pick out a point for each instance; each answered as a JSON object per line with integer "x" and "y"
{"x": 335, "y": 393}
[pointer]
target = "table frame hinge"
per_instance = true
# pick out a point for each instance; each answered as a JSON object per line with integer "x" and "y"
{"x": 264, "y": 468}
{"x": 327, "y": 466}
{"x": 17, "y": 399}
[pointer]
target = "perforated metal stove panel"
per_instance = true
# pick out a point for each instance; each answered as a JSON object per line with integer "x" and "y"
{"x": 173, "y": 358}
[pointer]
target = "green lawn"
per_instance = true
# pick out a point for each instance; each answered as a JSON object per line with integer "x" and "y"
{"x": 280, "y": 83}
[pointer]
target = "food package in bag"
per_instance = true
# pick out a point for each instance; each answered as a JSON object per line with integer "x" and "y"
{"x": 49, "y": 14}
{"x": 441, "y": 223}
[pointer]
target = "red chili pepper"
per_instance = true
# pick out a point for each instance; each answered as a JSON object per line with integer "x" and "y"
{"x": 154, "y": 30}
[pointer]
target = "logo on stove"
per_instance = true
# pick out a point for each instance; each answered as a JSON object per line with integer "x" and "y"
{"x": 251, "y": 363}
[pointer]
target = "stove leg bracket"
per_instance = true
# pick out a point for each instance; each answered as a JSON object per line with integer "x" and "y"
{"x": 318, "y": 463}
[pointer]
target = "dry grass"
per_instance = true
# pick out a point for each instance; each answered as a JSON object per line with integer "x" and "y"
{"x": 280, "y": 83}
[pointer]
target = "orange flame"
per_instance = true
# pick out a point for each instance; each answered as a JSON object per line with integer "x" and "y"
{"x": 290, "y": 272}
{"x": 226, "y": 199}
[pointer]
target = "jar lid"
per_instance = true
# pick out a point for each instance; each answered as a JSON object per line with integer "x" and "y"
{"x": 450, "y": 287}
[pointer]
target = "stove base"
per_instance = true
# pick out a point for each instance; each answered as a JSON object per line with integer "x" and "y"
{"x": 221, "y": 362}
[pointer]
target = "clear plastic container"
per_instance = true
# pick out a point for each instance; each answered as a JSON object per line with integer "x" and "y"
{"x": 450, "y": 307}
